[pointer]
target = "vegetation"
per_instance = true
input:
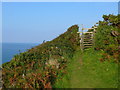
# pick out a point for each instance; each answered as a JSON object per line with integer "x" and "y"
{"x": 107, "y": 37}
{"x": 61, "y": 64}
{"x": 96, "y": 67}
{"x": 40, "y": 66}
{"x": 86, "y": 71}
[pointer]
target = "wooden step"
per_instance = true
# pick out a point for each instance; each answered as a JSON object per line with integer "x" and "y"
{"x": 88, "y": 41}
{"x": 87, "y": 44}
{"x": 88, "y": 32}
{"x": 88, "y": 36}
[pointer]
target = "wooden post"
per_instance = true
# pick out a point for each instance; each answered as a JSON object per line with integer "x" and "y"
{"x": 79, "y": 37}
{"x": 86, "y": 41}
{"x": 82, "y": 39}
{"x": 94, "y": 36}
{"x": 81, "y": 45}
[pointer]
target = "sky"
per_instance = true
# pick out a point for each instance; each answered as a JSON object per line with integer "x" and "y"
{"x": 0, "y": 22}
{"x": 33, "y": 22}
{"x": 60, "y": 0}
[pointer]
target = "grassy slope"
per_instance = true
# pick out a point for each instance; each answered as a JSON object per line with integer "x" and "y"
{"x": 91, "y": 73}
{"x": 40, "y": 66}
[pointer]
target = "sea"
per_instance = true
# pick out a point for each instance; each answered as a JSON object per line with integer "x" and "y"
{"x": 11, "y": 49}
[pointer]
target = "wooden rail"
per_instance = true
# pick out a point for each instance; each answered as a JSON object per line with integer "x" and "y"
{"x": 86, "y": 38}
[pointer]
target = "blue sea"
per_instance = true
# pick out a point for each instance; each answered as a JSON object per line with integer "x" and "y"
{"x": 11, "y": 49}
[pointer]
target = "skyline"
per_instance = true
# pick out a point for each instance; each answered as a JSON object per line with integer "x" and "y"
{"x": 34, "y": 22}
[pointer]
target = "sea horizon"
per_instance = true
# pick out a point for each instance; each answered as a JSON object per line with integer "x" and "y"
{"x": 10, "y": 49}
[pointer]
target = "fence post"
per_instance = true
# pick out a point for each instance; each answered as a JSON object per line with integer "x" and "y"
{"x": 81, "y": 44}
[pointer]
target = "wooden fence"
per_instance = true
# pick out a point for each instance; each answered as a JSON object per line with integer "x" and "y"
{"x": 87, "y": 39}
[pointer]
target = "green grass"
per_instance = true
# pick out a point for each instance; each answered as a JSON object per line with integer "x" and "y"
{"x": 64, "y": 82}
{"x": 86, "y": 71}
{"x": 32, "y": 68}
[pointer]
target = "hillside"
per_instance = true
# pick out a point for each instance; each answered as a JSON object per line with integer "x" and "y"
{"x": 97, "y": 67}
{"x": 87, "y": 71}
{"x": 40, "y": 66}
{"x": 60, "y": 63}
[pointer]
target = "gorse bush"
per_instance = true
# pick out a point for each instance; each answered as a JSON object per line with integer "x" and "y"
{"x": 40, "y": 66}
{"x": 45, "y": 64}
{"x": 107, "y": 37}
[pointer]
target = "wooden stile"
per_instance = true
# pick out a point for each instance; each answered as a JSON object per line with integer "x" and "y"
{"x": 86, "y": 39}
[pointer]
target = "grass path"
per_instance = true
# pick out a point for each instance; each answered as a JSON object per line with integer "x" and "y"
{"x": 86, "y": 71}
{"x": 81, "y": 75}
{"x": 75, "y": 80}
